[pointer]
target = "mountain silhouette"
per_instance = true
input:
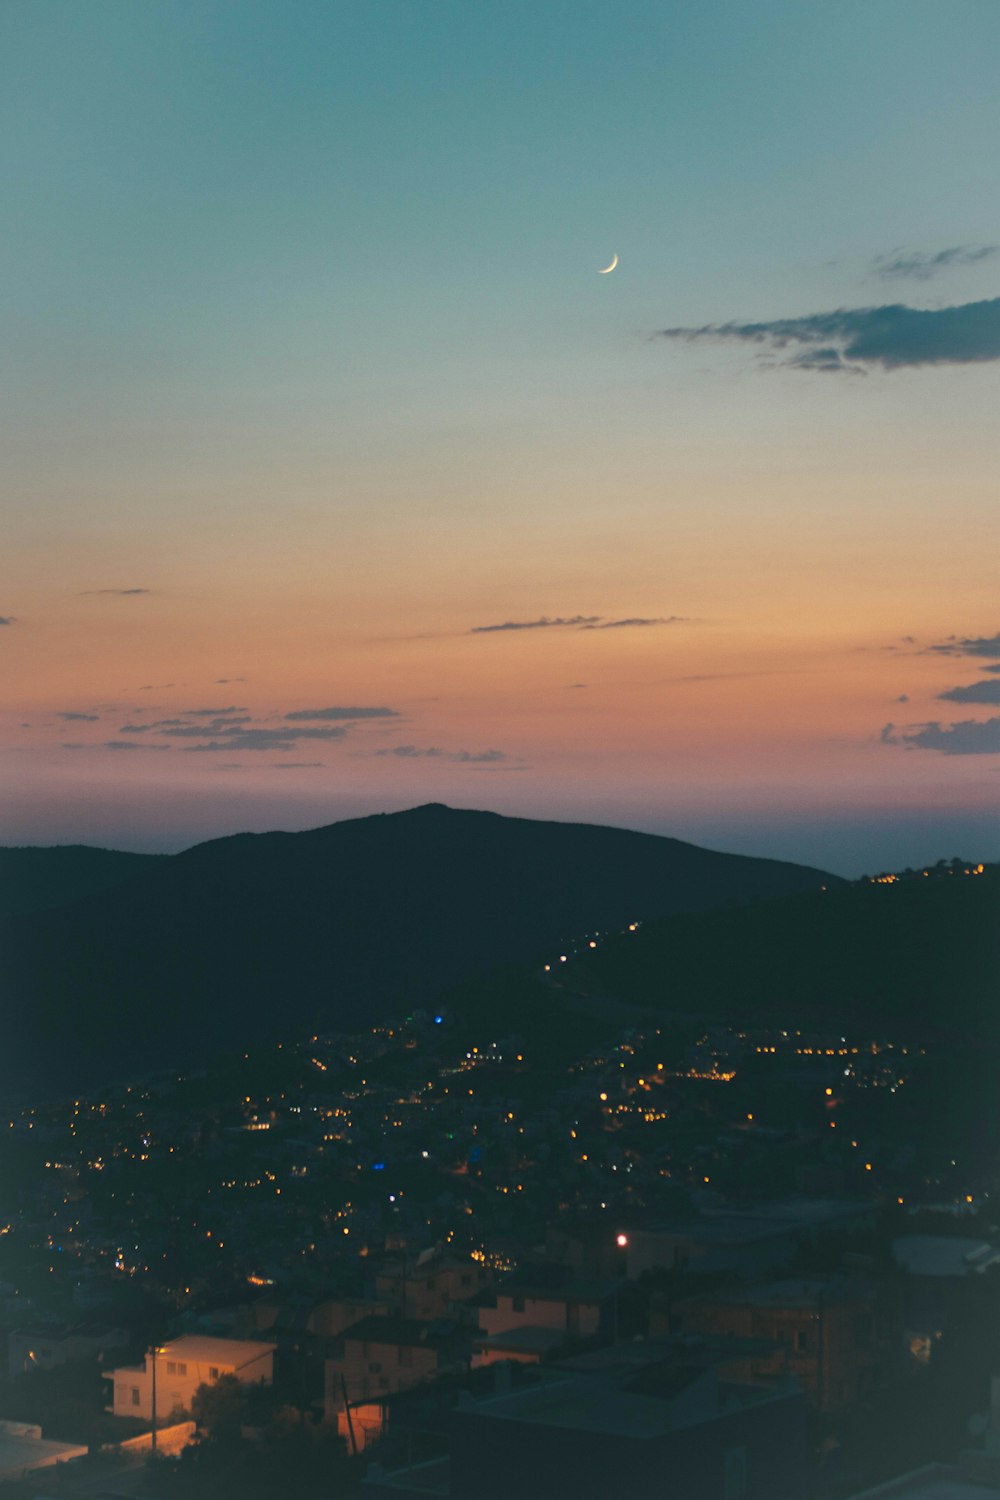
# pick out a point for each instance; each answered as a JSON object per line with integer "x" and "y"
{"x": 261, "y": 935}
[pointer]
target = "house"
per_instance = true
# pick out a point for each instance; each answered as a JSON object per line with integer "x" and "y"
{"x": 430, "y": 1284}
{"x": 171, "y": 1373}
{"x": 636, "y": 1419}
{"x": 941, "y": 1285}
{"x": 821, "y": 1329}
{"x": 382, "y": 1355}
{"x": 549, "y": 1297}
{"x": 750, "y": 1241}
{"x": 44, "y": 1347}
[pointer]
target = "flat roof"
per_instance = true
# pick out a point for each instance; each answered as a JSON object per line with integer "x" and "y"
{"x": 943, "y": 1255}
{"x": 19, "y": 1455}
{"x": 935, "y": 1482}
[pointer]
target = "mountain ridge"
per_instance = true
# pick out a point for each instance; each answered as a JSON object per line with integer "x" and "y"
{"x": 236, "y": 938}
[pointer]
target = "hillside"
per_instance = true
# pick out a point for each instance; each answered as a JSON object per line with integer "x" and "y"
{"x": 918, "y": 953}
{"x": 42, "y": 879}
{"x": 257, "y": 935}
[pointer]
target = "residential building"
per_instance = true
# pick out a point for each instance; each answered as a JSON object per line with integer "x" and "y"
{"x": 170, "y": 1374}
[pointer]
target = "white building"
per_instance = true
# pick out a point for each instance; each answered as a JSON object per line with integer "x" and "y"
{"x": 180, "y": 1367}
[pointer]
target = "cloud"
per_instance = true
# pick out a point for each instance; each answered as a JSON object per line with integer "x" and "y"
{"x": 131, "y": 745}
{"x": 229, "y": 728}
{"x": 919, "y": 265}
{"x": 7, "y": 619}
{"x": 969, "y": 737}
{"x": 434, "y": 752}
{"x": 974, "y": 692}
{"x": 851, "y": 339}
{"x": 903, "y": 698}
{"x": 119, "y": 593}
{"x": 576, "y": 622}
{"x": 544, "y": 623}
{"x": 72, "y": 718}
{"x": 343, "y": 713}
{"x": 179, "y": 729}
{"x": 978, "y": 645}
{"x": 297, "y": 765}
{"x": 240, "y": 738}
{"x": 225, "y": 681}
{"x": 213, "y": 713}
{"x": 619, "y": 624}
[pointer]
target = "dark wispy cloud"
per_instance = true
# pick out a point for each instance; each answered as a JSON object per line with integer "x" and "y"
{"x": 576, "y": 622}
{"x": 226, "y": 681}
{"x": 974, "y": 692}
{"x": 975, "y": 645}
{"x": 182, "y": 729}
{"x": 434, "y": 752}
{"x": 636, "y": 621}
{"x": 921, "y": 265}
{"x": 543, "y": 623}
{"x": 298, "y": 765}
{"x": 969, "y": 737}
{"x": 7, "y": 619}
{"x": 119, "y": 593}
{"x": 855, "y": 339}
{"x": 75, "y": 718}
{"x": 239, "y": 737}
{"x": 342, "y": 713}
{"x": 213, "y": 713}
{"x": 132, "y": 745}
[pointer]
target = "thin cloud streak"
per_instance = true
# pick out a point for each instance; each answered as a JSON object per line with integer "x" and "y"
{"x": 579, "y": 622}
{"x": 343, "y": 713}
{"x": 919, "y": 265}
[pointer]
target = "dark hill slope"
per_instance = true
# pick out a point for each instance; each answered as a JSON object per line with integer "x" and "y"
{"x": 253, "y": 936}
{"x": 41, "y": 879}
{"x": 922, "y": 954}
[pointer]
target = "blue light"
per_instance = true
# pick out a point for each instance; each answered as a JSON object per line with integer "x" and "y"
{"x": 378, "y": 1166}
{"x": 438, "y": 1020}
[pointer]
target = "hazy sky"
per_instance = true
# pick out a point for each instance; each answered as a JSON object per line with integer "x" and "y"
{"x": 337, "y": 479}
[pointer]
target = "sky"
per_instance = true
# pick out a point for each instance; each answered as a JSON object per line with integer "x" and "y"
{"x": 338, "y": 479}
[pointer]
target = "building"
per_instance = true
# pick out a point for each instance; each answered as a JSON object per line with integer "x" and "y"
{"x": 752, "y": 1242}
{"x": 174, "y": 1371}
{"x": 941, "y": 1285}
{"x": 42, "y": 1348}
{"x": 548, "y": 1297}
{"x": 381, "y": 1356}
{"x": 429, "y": 1285}
{"x": 822, "y": 1330}
{"x": 23, "y": 1450}
{"x": 637, "y": 1419}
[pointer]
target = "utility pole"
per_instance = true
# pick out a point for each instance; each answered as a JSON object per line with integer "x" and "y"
{"x": 152, "y": 1433}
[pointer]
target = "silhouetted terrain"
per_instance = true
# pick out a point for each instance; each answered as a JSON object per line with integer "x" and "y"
{"x": 41, "y": 879}
{"x": 257, "y": 935}
{"x": 922, "y": 953}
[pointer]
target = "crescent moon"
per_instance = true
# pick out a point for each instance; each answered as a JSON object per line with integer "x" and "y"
{"x": 603, "y": 270}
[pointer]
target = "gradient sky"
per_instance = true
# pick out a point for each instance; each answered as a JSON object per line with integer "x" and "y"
{"x": 309, "y": 376}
